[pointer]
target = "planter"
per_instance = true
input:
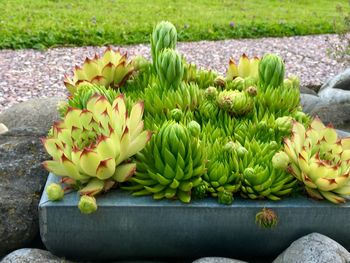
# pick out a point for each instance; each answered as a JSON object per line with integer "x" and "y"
{"x": 126, "y": 227}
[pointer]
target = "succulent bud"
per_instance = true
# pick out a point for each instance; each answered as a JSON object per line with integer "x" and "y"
{"x": 287, "y": 84}
{"x": 200, "y": 191}
{"x": 295, "y": 81}
{"x": 140, "y": 63}
{"x": 235, "y": 102}
{"x": 271, "y": 71}
{"x": 230, "y": 146}
{"x": 164, "y": 35}
{"x": 238, "y": 83}
{"x": 225, "y": 197}
{"x": 194, "y": 128}
{"x": 252, "y": 91}
{"x": 301, "y": 117}
{"x": 280, "y": 160}
{"x": 220, "y": 81}
{"x": 176, "y": 114}
{"x": 211, "y": 93}
{"x": 266, "y": 218}
{"x": 169, "y": 68}
{"x": 87, "y": 204}
{"x": 284, "y": 124}
{"x": 54, "y": 192}
{"x": 241, "y": 151}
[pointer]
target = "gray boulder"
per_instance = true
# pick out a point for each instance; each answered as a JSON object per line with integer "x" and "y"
{"x": 39, "y": 113}
{"x": 336, "y": 90}
{"x": 22, "y": 179}
{"x": 307, "y": 90}
{"x": 309, "y": 102}
{"x": 32, "y": 255}
{"x": 340, "y": 81}
{"x": 314, "y": 248}
{"x": 336, "y": 114}
{"x": 217, "y": 260}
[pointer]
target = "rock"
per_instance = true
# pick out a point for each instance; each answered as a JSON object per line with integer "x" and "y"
{"x": 22, "y": 179}
{"x": 336, "y": 114}
{"x": 334, "y": 96}
{"x": 308, "y": 102}
{"x": 336, "y": 89}
{"x": 306, "y": 90}
{"x": 314, "y": 248}
{"x": 217, "y": 260}
{"x": 32, "y": 255}
{"x": 39, "y": 113}
{"x": 3, "y": 128}
{"x": 343, "y": 134}
{"x": 340, "y": 81}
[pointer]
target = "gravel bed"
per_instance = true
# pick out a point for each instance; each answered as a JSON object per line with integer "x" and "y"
{"x": 26, "y": 74}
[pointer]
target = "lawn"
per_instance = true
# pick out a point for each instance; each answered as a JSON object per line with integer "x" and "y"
{"x": 44, "y": 23}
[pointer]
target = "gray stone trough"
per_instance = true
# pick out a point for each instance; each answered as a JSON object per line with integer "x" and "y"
{"x": 126, "y": 227}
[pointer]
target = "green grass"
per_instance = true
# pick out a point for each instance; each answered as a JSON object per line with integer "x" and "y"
{"x": 44, "y": 23}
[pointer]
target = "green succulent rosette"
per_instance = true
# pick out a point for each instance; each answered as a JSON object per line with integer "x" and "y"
{"x": 169, "y": 68}
{"x": 271, "y": 71}
{"x": 260, "y": 179}
{"x": 222, "y": 180}
{"x": 164, "y": 36}
{"x": 171, "y": 164}
{"x": 235, "y": 102}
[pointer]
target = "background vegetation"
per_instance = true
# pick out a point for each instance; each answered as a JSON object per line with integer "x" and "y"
{"x": 47, "y": 23}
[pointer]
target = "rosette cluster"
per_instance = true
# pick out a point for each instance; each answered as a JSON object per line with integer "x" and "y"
{"x": 90, "y": 147}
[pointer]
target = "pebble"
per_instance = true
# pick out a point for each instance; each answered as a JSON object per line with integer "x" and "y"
{"x": 28, "y": 73}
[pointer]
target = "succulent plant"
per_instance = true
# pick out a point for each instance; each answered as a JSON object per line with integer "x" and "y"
{"x": 220, "y": 176}
{"x": 246, "y": 68}
{"x": 169, "y": 68}
{"x": 266, "y": 218}
{"x": 205, "y": 78}
{"x": 89, "y": 146}
{"x": 320, "y": 160}
{"x": 260, "y": 178}
{"x": 271, "y": 71}
{"x": 170, "y": 165}
{"x": 110, "y": 70}
{"x": 220, "y": 81}
{"x": 83, "y": 93}
{"x": 54, "y": 192}
{"x": 87, "y": 204}
{"x": 164, "y": 36}
{"x": 200, "y": 191}
{"x": 159, "y": 101}
{"x": 190, "y": 72}
{"x": 235, "y": 102}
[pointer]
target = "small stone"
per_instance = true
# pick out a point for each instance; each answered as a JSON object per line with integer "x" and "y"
{"x": 314, "y": 248}
{"x": 30, "y": 255}
{"x": 217, "y": 260}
